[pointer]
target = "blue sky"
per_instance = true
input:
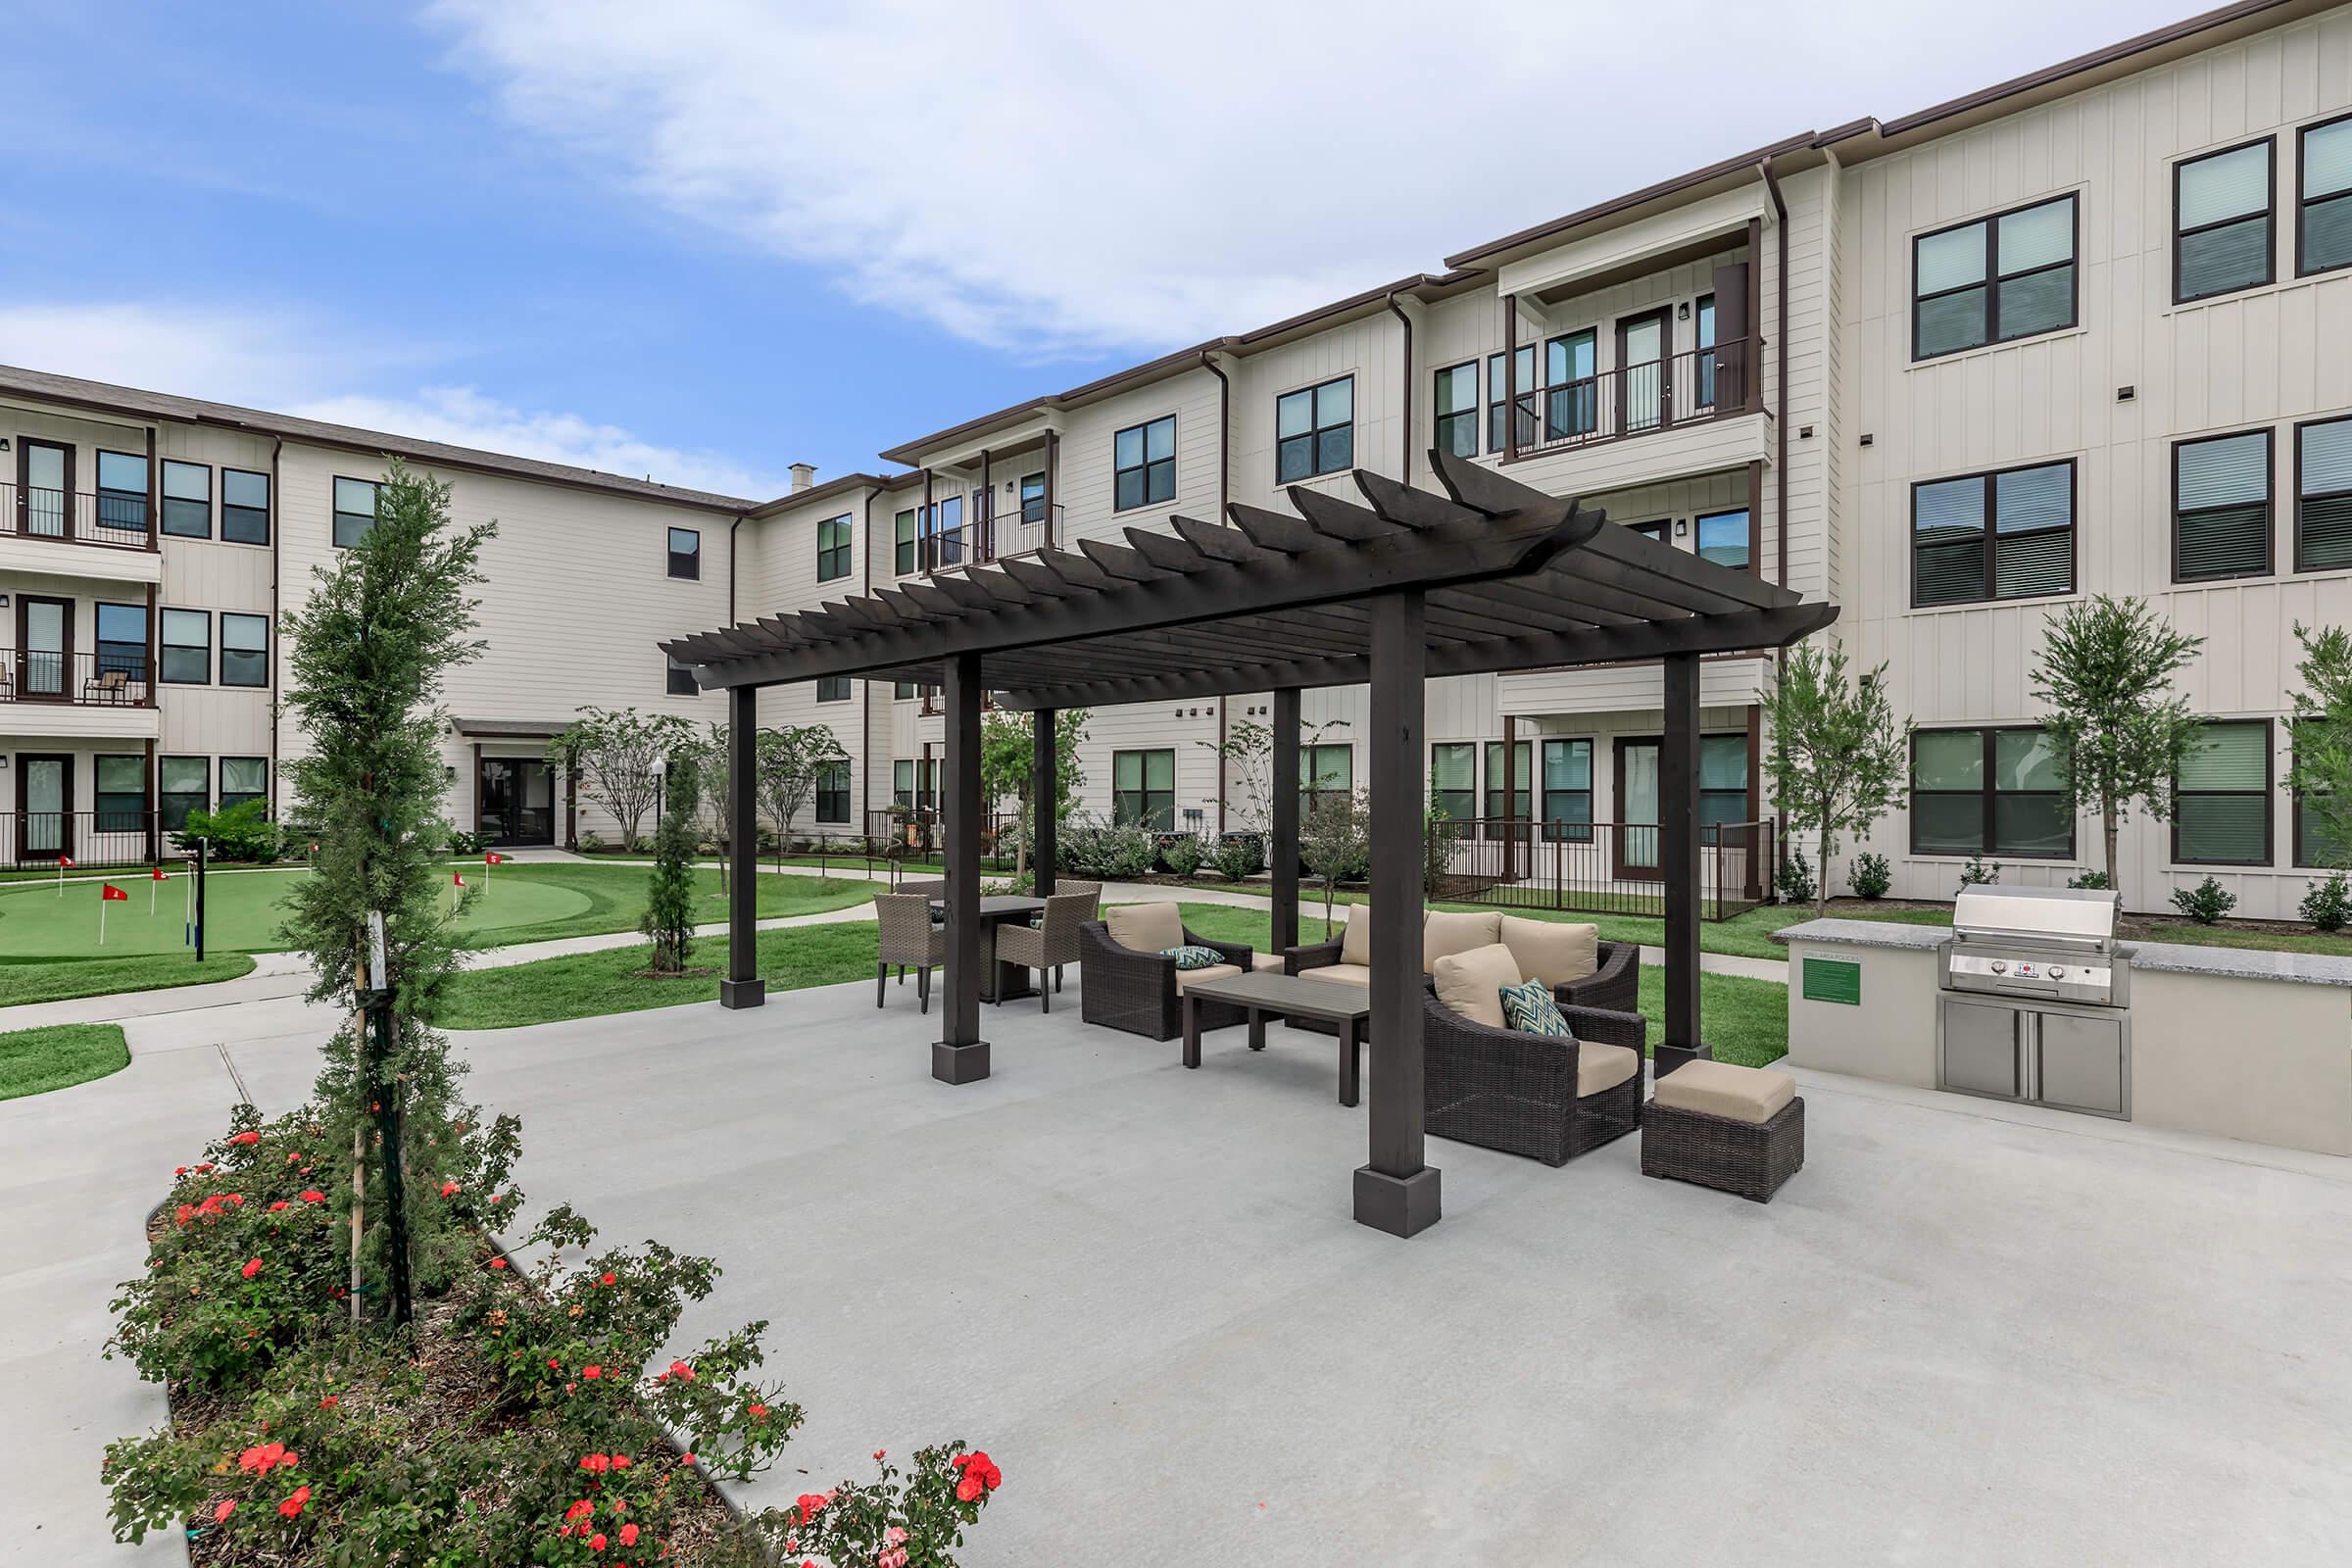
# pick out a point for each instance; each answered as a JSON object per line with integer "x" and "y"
{"x": 711, "y": 237}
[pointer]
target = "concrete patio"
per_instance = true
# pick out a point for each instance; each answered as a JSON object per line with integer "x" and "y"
{"x": 1965, "y": 1333}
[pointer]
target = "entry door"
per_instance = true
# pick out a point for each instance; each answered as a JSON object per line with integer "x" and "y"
{"x": 44, "y": 801}
{"x": 45, "y": 647}
{"x": 44, "y": 488}
{"x": 1637, "y": 803}
{"x": 518, "y": 798}
{"x": 1642, "y": 372}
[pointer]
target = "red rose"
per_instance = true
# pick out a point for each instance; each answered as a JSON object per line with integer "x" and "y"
{"x": 620, "y": 1461}
{"x": 447, "y": 1188}
{"x": 327, "y": 1403}
{"x": 592, "y": 1371}
{"x": 810, "y": 1502}
{"x": 179, "y": 1170}
{"x": 760, "y": 1411}
{"x": 498, "y": 1262}
{"x": 253, "y": 1268}
{"x": 314, "y": 1196}
{"x": 606, "y": 1280}
{"x": 246, "y": 1137}
{"x": 596, "y": 1543}
{"x": 681, "y": 1371}
{"x": 578, "y": 1510}
{"x": 628, "y": 1534}
{"x": 228, "y": 1506}
{"x": 294, "y": 1505}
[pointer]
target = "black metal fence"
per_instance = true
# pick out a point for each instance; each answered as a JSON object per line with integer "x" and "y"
{"x": 1600, "y": 867}
{"x": 102, "y": 840}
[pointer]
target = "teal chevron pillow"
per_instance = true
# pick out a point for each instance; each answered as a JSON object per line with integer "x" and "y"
{"x": 1530, "y": 1008}
{"x": 1192, "y": 958}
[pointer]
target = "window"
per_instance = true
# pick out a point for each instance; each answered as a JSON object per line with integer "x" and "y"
{"x": 1705, "y": 357}
{"x": 902, "y": 783}
{"x": 1990, "y": 791}
{"x": 123, "y": 640}
{"x": 123, "y": 491}
{"x": 1650, "y": 530}
{"x": 2314, "y": 845}
{"x": 686, "y": 554}
{"x": 187, "y": 499}
{"x": 1568, "y": 791}
{"x": 902, "y": 557}
{"x": 244, "y": 649}
{"x": 1572, "y": 389}
{"x": 832, "y": 548}
{"x": 947, "y": 532}
{"x": 1325, "y": 771}
{"x": 1497, "y": 390}
{"x": 1457, "y": 410}
{"x": 2222, "y": 507}
{"x": 183, "y": 784}
{"x": 1723, "y": 538}
{"x": 1452, "y": 779}
{"x": 121, "y": 794}
{"x": 1143, "y": 789}
{"x": 901, "y": 690}
{"x": 2323, "y": 212}
{"x": 1721, "y": 782}
{"x": 1033, "y": 498}
{"x": 2221, "y": 232}
{"x": 2324, "y": 495}
{"x": 2221, "y": 797}
{"x": 678, "y": 679}
{"x": 832, "y": 688}
{"x": 2007, "y": 535}
{"x": 1144, "y": 465}
{"x": 244, "y": 507}
{"x": 1315, "y": 430}
{"x": 354, "y": 510}
{"x": 1997, "y": 278}
{"x": 833, "y": 792}
{"x": 187, "y": 655}
{"x": 242, "y": 779}
{"x": 1523, "y": 778}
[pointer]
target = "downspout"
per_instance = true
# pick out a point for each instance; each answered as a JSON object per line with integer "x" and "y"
{"x": 1224, "y": 470}
{"x": 1780, "y": 460}
{"x": 865, "y": 763}
{"x": 277, "y": 445}
{"x": 731, "y": 527}
{"x": 1404, "y": 457}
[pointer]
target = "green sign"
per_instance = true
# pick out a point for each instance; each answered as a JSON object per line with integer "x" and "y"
{"x": 1833, "y": 980}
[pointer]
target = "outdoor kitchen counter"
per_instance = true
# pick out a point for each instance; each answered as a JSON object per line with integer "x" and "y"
{"x": 2234, "y": 1041}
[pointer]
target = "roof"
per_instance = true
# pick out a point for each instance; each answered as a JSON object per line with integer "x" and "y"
{"x": 1511, "y": 578}
{"x": 527, "y": 729}
{"x": 107, "y": 398}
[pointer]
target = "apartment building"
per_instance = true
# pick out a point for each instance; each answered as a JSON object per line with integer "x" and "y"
{"x": 2086, "y": 331}
{"x": 148, "y": 543}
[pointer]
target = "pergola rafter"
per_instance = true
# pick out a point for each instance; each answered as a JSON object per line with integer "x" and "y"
{"x": 1490, "y": 576}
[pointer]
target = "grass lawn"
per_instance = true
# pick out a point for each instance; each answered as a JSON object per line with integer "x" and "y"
{"x": 23, "y": 980}
{"x": 33, "y": 1062}
{"x": 591, "y": 985}
{"x": 531, "y": 903}
{"x": 2222, "y": 936}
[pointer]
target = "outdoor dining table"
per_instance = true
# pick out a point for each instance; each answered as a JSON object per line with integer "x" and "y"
{"x": 1000, "y": 981}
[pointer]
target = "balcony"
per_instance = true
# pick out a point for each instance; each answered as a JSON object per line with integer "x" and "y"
{"x": 1634, "y": 400}
{"x": 78, "y": 533}
{"x": 106, "y": 695}
{"x": 998, "y": 529}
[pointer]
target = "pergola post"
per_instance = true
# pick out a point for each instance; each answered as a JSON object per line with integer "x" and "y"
{"x": 1045, "y": 790}
{"x": 1677, "y": 862}
{"x": 743, "y": 987}
{"x": 1282, "y": 844}
{"x": 1395, "y": 1191}
{"x": 961, "y": 1056}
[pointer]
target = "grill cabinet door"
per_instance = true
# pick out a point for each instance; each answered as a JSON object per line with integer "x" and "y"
{"x": 1979, "y": 1048}
{"x": 2082, "y": 1063}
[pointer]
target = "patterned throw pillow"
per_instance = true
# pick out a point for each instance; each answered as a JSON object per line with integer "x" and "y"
{"x": 1192, "y": 958}
{"x": 1530, "y": 1009}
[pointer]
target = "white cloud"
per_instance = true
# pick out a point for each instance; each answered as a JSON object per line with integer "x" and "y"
{"x": 290, "y": 363}
{"x": 1069, "y": 175}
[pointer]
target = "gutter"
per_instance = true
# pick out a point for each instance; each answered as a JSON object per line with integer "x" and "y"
{"x": 1405, "y": 456}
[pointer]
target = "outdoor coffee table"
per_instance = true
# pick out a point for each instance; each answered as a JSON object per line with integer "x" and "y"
{"x": 1265, "y": 995}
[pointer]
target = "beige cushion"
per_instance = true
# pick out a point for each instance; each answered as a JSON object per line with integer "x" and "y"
{"x": 1266, "y": 961}
{"x": 1599, "y": 1067}
{"x": 1345, "y": 974}
{"x": 1719, "y": 1089}
{"x": 1444, "y": 933}
{"x": 1355, "y": 941}
{"x": 1187, "y": 978}
{"x": 1471, "y": 983}
{"x": 1145, "y": 927}
{"x": 1551, "y": 950}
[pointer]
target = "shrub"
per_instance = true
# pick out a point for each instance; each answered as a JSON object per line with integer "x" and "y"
{"x": 1107, "y": 851}
{"x": 2206, "y": 903}
{"x": 592, "y": 842}
{"x": 1870, "y": 876}
{"x": 2328, "y": 905}
{"x": 1796, "y": 878}
{"x": 1238, "y": 856}
{"x": 1976, "y": 873}
{"x": 464, "y": 846}
{"x": 2089, "y": 879}
{"x": 1183, "y": 857}
{"x": 242, "y": 832}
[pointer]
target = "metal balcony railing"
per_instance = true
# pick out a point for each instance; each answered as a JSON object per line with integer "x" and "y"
{"x": 108, "y": 679}
{"x": 114, "y": 518}
{"x": 1634, "y": 400}
{"x": 998, "y": 528}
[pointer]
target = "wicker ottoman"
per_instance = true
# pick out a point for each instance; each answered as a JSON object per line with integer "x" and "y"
{"x": 1736, "y": 1129}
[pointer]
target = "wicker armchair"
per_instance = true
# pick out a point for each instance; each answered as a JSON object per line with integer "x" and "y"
{"x": 1614, "y": 987}
{"x": 1051, "y": 943}
{"x": 906, "y": 937}
{"x": 1137, "y": 990}
{"x": 1501, "y": 1089}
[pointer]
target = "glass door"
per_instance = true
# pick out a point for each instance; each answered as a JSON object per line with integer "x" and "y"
{"x": 45, "y": 489}
{"x": 45, "y": 647}
{"x": 1638, "y": 802}
{"x": 1642, "y": 372}
{"x": 1571, "y": 402}
{"x": 45, "y": 796}
{"x": 518, "y": 801}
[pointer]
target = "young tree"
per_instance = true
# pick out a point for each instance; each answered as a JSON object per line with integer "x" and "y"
{"x": 2320, "y": 766}
{"x": 2106, "y": 672}
{"x": 785, "y": 771}
{"x": 1836, "y": 758}
{"x": 714, "y": 782}
{"x": 367, "y": 653}
{"x": 622, "y": 752}
{"x": 1246, "y": 755}
{"x": 668, "y": 918}
{"x": 1334, "y": 840}
{"x": 1007, "y": 751}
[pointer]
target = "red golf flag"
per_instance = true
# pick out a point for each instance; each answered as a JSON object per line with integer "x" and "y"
{"x": 494, "y": 859}
{"x": 458, "y": 877}
{"x": 66, "y": 860}
{"x": 159, "y": 876}
{"x": 107, "y": 890}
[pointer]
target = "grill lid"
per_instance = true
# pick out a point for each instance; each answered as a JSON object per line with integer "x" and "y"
{"x": 2076, "y": 917}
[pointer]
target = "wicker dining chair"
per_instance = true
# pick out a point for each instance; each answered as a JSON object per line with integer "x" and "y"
{"x": 1051, "y": 943}
{"x": 1064, "y": 885}
{"x": 906, "y": 937}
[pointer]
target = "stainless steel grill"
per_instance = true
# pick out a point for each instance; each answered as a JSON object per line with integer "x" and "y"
{"x": 2034, "y": 1000}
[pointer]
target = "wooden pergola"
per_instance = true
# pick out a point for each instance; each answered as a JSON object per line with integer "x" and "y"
{"x": 1492, "y": 576}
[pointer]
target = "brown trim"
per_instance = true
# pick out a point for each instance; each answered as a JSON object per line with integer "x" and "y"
{"x": 1510, "y": 379}
{"x": 1990, "y": 283}
{"x": 1759, "y": 867}
{"x": 2302, "y": 202}
{"x": 2297, "y": 481}
{"x": 154, "y": 823}
{"x": 1622, "y": 866}
{"x": 1662, "y": 415}
{"x": 2269, "y": 227}
{"x": 1404, "y": 452}
{"x": 477, "y": 789}
{"x": 64, "y": 822}
{"x": 25, "y": 651}
{"x": 1992, "y": 534}
{"x": 1224, "y": 446}
{"x": 1985, "y": 788}
{"x": 2270, "y": 802}
{"x": 155, "y": 497}
{"x": 2270, "y": 503}
{"x": 1485, "y": 255}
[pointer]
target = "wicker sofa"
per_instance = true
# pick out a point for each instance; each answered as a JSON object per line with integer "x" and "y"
{"x": 1545, "y": 1097}
{"x": 1548, "y": 948}
{"x": 1127, "y": 981}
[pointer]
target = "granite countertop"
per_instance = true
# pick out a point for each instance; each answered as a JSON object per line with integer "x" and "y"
{"x": 2170, "y": 958}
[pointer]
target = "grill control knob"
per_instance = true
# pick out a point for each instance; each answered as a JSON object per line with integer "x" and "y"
{"x": 2057, "y": 971}
{"x": 2000, "y": 966}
